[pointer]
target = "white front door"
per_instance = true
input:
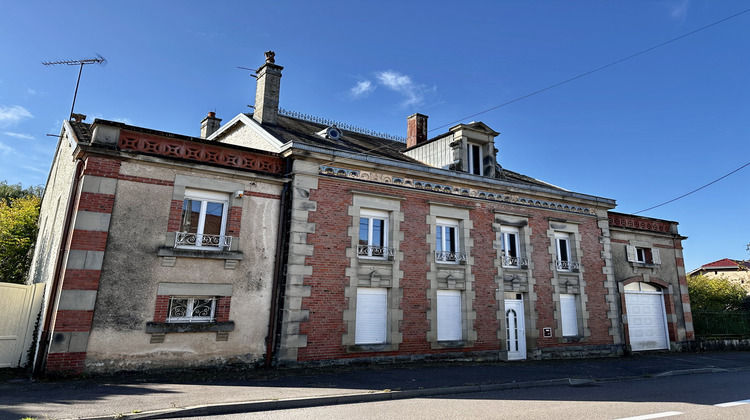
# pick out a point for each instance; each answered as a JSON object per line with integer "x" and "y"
{"x": 647, "y": 324}
{"x": 515, "y": 330}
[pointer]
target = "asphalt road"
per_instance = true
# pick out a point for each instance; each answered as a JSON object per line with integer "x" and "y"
{"x": 724, "y": 396}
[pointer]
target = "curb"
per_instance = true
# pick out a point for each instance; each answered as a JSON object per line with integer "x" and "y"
{"x": 374, "y": 396}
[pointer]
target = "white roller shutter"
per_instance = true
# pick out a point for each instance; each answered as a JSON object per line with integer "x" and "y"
{"x": 449, "y": 315}
{"x": 569, "y": 316}
{"x": 372, "y": 305}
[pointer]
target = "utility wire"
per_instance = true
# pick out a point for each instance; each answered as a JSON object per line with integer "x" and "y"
{"x": 695, "y": 190}
{"x": 594, "y": 70}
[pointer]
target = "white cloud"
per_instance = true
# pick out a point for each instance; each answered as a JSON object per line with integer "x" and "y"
{"x": 19, "y": 135}
{"x": 31, "y": 92}
{"x": 12, "y": 115}
{"x": 678, "y": 9}
{"x": 362, "y": 89}
{"x": 5, "y": 149}
{"x": 414, "y": 93}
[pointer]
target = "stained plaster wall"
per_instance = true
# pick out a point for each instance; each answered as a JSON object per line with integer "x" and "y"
{"x": 671, "y": 272}
{"x": 132, "y": 272}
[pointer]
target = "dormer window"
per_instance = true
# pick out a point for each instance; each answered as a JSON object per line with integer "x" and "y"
{"x": 474, "y": 155}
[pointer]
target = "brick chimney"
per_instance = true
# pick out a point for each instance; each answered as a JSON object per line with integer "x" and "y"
{"x": 267, "y": 91}
{"x": 209, "y": 125}
{"x": 416, "y": 130}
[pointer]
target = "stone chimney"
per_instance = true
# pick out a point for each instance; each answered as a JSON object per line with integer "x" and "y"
{"x": 209, "y": 125}
{"x": 267, "y": 91}
{"x": 416, "y": 130}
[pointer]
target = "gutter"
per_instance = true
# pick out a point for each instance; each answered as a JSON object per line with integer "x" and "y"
{"x": 278, "y": 286}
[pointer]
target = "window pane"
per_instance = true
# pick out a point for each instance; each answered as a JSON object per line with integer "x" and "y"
{"x": 212, "y": 225}
{"x": 475, "y": 162}
{"x": 512, "y": 251}
{"x": 563, "y": 244}
{"x": 450, "y": 238}
{"x": 378, "y": 231}
{"x": 202, "y": 307}
{"x": 191, "y": 210}
{"x": 364, "y": 224}
{"x": 178, "y": 307}
{"x": 439, "y": 238}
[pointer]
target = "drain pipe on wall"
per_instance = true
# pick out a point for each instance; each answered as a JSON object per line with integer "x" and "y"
{"x": 278, "y": 288}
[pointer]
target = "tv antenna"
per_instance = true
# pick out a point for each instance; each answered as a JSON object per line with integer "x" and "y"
{"x": 98, "y": 60}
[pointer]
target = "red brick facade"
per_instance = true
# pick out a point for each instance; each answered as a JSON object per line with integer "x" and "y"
{"x": 329, "y": 263}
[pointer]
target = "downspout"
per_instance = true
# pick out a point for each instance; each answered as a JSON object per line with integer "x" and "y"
{"x": 41, "y": 354}
{"x": 278, "y": 287}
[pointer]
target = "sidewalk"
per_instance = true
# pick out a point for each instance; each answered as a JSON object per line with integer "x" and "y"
{"x": 183, "y": 395}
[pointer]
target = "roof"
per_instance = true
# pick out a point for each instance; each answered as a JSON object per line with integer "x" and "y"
{"x": 726, "y": 263}
{"x": 289, "y": 129}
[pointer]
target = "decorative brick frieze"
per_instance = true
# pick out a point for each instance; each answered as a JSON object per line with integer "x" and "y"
{"x": 199, "y": 152}
{"x": 449, "y": 189}
{"x": 635, "y": 222}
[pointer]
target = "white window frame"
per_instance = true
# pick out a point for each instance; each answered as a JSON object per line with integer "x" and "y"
{"x": 205, "y": 197}
{"x": 568, "y": 315}
{"x": 510, "y": 235}
{"x": 442, "y": 253}
{"x": 471, "y": 150}
{"x": 449, "y": 319}
{"x": 371, "y": 323}
{"x": 567, "y": 263}
{"x": 370, "y": 251}
{"x": 190, "y": 307}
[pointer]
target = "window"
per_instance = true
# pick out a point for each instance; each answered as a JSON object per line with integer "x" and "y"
{"x": 564, "y": 261}
{"x": 191, "y": 309}
{"x": 568, "y": 315}
{"x": 446, "y": 237}
{"x": 475, "y": 158}
{"x": 373, "y": 235}
{"x": 449, "y": 315}
{"x": 203, "y": 221}
{"x": 643, "y": 255}
{"x": 510, "y": 248}
{"x": 372, "y": 305}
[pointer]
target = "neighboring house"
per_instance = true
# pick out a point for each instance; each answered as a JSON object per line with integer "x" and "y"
{"x": 736, "y": 271}
{"x": 386, "y": 250}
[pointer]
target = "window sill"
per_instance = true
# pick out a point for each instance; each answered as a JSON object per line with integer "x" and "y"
{"x": 515, "y": 267}
{"x": 170, "y": 254}
{"x": 364, "y": 348}
{"x": 572, "y": 339}
{"x": 188, "y": 327}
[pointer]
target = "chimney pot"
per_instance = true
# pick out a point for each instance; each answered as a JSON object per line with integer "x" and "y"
{"x": 416, "y": 130}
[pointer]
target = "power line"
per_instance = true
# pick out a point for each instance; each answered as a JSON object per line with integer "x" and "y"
{"x": 594, "y": 70}
{"x": 695, "y": 190}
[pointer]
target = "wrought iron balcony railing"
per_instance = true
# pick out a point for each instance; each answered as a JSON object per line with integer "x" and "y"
{"x": 567, "y": 265}
{"x": 509, "y": 261}
{"x": 450, "y": 256}
{"x": 208, "y": 241}
{"x": 375, "y": 251}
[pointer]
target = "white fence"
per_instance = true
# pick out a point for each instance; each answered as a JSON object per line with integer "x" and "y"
{"x": 19, "y": 308}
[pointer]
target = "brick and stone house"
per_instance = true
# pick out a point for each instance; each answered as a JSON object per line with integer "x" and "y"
{"x": 347, "y": 245}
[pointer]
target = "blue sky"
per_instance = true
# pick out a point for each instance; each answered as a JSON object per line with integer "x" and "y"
{"x": 642, "y": 132}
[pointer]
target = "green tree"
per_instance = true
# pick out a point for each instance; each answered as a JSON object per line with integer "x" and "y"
{"x": 9, "y": 193}
{"x": 18, "y": 230}
{"x": 715, "y": 294}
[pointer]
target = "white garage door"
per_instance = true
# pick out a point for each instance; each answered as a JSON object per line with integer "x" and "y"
{"x": 647, "y": 323}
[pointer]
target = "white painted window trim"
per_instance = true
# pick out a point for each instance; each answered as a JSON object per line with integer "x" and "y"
{"x": 371, "y": 215}
{"x": 189, "y": 310}
{"x": 441, "y": 224}
{"x": 470, "y": 147}
{"x": 205, "y": 197}
{"x": 510, "y": 234}
{"x": 559, "y": 238}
